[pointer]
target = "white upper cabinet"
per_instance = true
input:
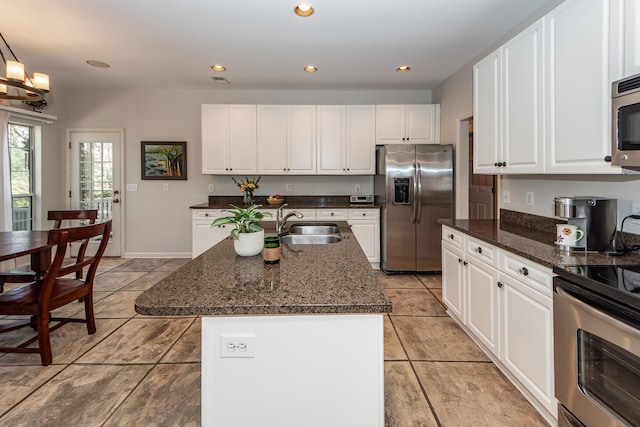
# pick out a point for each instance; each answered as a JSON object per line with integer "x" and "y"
{"x": 578, "y": 83}
{"x": 346, "y": 139}
{"x": 286, "y": 139}
{"x": 508, "y": 109}
{"x": 228, "y": 139}
{"x": 631, "y": 34}
{"x": 408, "y": 124}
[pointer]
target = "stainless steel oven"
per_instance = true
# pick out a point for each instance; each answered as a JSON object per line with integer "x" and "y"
{"x": 597, "y": 346}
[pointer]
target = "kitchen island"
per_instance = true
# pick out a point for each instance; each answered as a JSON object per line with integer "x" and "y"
{"x": 296, "y": 343}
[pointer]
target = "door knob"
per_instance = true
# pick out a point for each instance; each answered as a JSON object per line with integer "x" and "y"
{"x": 116, "y": 200}
{"x": 116, "y": 192}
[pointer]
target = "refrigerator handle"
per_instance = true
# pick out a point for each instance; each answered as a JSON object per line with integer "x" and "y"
{"x": 419, "y": 195}
{"x": 414, "y": 214}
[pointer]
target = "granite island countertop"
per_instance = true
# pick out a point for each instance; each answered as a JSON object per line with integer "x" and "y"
{"x": 535, "y": 244}
{"x": 334, "y": 278}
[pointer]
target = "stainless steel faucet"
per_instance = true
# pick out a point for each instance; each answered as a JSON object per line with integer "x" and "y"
{"x": 281, "y": 219}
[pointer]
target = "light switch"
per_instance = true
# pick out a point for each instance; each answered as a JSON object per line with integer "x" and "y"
{"x": 132, "y": 187}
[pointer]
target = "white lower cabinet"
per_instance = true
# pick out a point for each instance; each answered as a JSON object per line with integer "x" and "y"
{"x": 365, "y": 225}
{"x": 504, "y": 302}
{"x": 203, "y": 236}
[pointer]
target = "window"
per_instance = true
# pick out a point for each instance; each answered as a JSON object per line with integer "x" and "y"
{"x": 22, "y": 173}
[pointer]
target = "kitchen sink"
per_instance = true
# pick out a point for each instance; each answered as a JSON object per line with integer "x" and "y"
{"x": 311, "y": 233}
{"x": 309, "y": 239}
{"x": 313, "y": 228}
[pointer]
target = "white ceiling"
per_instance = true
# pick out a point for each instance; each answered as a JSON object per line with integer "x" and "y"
{"x": 355, "y": 44}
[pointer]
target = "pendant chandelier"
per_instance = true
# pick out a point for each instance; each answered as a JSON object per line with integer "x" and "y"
{"x": 18, "y": 84}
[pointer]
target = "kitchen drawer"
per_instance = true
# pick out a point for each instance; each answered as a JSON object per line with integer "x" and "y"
{"x": 308, "y": 214}
{"x": 528, "y": 272}
{"x": 206, "y": 214}
{"x": 483, "y": 251}
{"x": 331, "y": 214}
{"x": 452, "y": 236}
{"x": 364, "y": 213}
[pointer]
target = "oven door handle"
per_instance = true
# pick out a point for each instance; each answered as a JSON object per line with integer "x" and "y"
{"x": 603, "y": 316}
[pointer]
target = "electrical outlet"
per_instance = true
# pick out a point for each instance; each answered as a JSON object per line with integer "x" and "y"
{"x": 506, "y": 197}
{"x": 132, "y": 187}
{"x": 165, "y": 187}
{"x": 635, "y": 208}
{"x": 528, "y": 198}
{"x": 212, "y": 188}
{"x": 357, "y": 188}
{"x": 288, "y": 187}
{"x": 237, "y": 346}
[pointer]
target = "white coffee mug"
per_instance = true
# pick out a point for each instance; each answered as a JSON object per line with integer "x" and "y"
{"x": 568, "y": 234}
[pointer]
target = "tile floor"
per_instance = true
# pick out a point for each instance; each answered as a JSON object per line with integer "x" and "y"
{"x": 145, "y": 371}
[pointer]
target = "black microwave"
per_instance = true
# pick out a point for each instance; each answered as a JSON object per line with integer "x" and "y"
{"x": 625, "y": 125}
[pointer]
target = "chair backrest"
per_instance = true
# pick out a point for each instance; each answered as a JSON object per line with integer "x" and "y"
{"x": 61, "y": 238}
{"x": 69, "y": 215}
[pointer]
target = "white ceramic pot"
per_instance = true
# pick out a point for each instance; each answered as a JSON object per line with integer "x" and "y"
{"x": 249, "y": 244}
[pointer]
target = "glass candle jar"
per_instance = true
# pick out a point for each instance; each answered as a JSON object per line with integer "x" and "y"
{"x": 271, "y": 251}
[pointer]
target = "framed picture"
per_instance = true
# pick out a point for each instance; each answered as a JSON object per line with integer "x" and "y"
{"x": 164, "y": 160}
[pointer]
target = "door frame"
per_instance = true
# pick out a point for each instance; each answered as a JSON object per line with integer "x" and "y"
{"x": 121, "y": 209}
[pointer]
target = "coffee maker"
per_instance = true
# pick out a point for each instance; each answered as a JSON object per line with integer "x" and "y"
{"x": 597, "y": 217}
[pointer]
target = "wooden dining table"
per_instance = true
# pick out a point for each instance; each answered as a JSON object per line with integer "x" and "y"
{"x": 14, "y": 244}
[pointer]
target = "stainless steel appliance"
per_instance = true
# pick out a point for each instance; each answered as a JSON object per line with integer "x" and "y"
{"x": 596, "y": 216}
{"x": 625, "y": 124}
{"x": 414, "y": 186}
{"x": 596, "y": 317}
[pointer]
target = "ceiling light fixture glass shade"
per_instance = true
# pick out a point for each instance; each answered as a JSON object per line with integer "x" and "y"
{"x": 403, "y": 69}
{"x": 304, "y": 10}
{"x": 18, "y": 84}
{"x": 310, "y": 69}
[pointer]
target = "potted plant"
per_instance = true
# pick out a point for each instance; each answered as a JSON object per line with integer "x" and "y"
{"x": 248, "y": 234}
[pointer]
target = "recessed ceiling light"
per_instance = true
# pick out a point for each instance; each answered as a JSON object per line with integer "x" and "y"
{"x": 310, "y": 69}
{"x": 403, "y": 69}
{"x": 218, "y": 67}
{"x": 304, "y": 9}
{"x": 98, "y": 64}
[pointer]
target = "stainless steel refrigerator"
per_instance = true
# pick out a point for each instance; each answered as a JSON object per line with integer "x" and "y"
{"x": 414, "y": 186}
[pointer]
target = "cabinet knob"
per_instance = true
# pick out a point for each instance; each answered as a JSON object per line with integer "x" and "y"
{"x": 206, "y": 214}
{"x": 524, "y": 271}
{"x": 496, "y": 164}
{"x": 459, "y": 259}
{"x": 332, "y": 214}
{"x": 500, "y": 284}
{"x": 450, "y": 236}
{"x": 348, "y": 169}
{"x": 364, "y": 214}
{"x": 478, "y": 250}
{"x": 504, "y": 164}
{"x": 464, "y": 263}
{"x": 607, "y": 158}
{"x": 226, "y": 169}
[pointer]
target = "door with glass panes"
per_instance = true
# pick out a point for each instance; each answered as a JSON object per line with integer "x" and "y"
{"x": 95, "y": 178}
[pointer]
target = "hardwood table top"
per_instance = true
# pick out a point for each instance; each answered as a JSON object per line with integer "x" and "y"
{"x": 15, "y": 244}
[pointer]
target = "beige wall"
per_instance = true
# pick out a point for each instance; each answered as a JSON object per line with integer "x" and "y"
{"x": 159, "y": 222}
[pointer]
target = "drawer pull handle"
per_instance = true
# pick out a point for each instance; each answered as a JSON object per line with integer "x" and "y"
{"x": 451, "y": 236}
{"x": 479, "y": 250}
{"x": 500, "y": 284}
{"x": 524, "y": 271}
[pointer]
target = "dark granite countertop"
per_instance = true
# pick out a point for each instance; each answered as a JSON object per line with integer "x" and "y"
{"x": 310, "y": 279}
{"x": 535, "y": 244}
{"x": 293, "y": 202}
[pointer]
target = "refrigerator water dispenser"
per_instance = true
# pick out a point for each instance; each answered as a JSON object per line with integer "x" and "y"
{"x": 401, "y": 191}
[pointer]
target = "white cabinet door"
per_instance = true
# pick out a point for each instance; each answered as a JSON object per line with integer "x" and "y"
{"x": 487, "y": 123}
{"x": 390, "y": 124}
{"x": 523, "y": 113}
{"x": 422, "y": 124}
{"x": 368, "y": 235}
{"x": 631, "y": 37}
{"x": 453, "y": 286}
{"x": 331, "y": 141}
{"x": 527, "y": 351}
{"x": 215, "y": 139}
{"x": 578, "y": 88}
{"x": 483, "y": 304}
{"x": 360, "y": 144}
{"x": 301, "y": 139}
{"x": 242, "y": 139}
{"x": 272, "y": 139}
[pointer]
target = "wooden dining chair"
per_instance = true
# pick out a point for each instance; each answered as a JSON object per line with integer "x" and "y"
{"x": 57, "y": 288}
{"x": 58, "y": 216}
